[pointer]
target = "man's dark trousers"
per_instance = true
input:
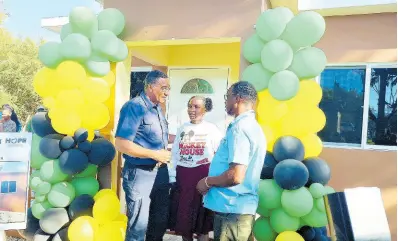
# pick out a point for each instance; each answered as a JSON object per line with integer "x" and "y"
{"x": 148, "y": 200}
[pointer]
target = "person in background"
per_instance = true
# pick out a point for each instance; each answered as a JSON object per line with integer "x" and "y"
{"x": 14, "y": 117}
{"x": 6, "y": 124}
{"x": 193, "y": 149}
{"x": 142, "y": 137}
{"x": 231, "y": 188}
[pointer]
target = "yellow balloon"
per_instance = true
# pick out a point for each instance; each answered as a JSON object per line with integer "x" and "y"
{"x": 110, "y": 78}
{"x": 91, "y": 135}
{"x": 122, "y": 218}
{"x": 270, "y": 110}
{"x": 42, "y": 82}
{"x": 309, "y": 95}
{"x": 289, "y": 236}
{"x": 70, "y": 99}
{"x": 49, "y": 102}
{"x": 269, "y": 135}
{"x": 303, "y": 121}
{"x": 71, "y": 74}
{"x": 111, "y": 231}
{"x": 65, "y": 121}
{"x": 103, "y": 193}
{"x": 83, "y": 229}
{"x": 96, "y": 90}
{"x": 106, "y": 209}
{"x": 95, "y": 116}
{"x": 312, "y": 145}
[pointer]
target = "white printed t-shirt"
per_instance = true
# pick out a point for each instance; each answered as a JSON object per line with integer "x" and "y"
{"x": 194, "y": 145}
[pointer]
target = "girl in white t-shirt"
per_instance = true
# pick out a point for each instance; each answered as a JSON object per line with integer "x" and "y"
{"x": 193, "y": 149}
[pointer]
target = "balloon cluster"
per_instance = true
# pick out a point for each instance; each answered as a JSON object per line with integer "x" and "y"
{"x": 76, "y": 80}
{"x": 87, "y": 218}
{"x": 283, "y": 66}
{"x": 66, "y": 153}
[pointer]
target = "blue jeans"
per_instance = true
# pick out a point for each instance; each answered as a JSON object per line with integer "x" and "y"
{"x": 147, "y": 192}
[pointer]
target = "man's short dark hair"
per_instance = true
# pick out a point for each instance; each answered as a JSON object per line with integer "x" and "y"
{"x": 153, "y": 77}
{"x": 245, "y": 91}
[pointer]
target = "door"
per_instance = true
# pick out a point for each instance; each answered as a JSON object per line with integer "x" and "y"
{"x": 185, "y": 83}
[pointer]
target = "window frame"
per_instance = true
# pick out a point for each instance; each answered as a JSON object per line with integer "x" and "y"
{"x": 365, "y": 118}
{"x": 8, "y": 187}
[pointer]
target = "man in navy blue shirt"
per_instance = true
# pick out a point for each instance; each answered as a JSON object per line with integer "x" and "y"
{"x": 142, "y": 137}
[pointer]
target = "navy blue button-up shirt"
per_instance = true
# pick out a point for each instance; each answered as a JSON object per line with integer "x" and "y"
{"x": 143, "y": 123}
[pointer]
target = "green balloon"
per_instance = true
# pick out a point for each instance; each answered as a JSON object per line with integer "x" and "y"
{"x": 51, "y": 172}
{"x": 257, "y": 76}
{"x": 38, "y": 208}
{"x": 43, "y": 188}
{"x": 263, "y": 212}
{"x": 111, "y": 19}
{"x": 276, "y": 55}
{"x": 86, "y": 185}
{"x": 35, "y": 183}
{"x": 329, "y": 190}
{"x": 97, "y": 66}
{"x": 317, "y": 190}
{"x": 269, "y": 194}
{"x": 263, "y": 231}
{"x": 76, "y": 47}
{"x": 271, "y": 23}
{"x": 40, "y": 198}
{"x": 252, "y": 49}
{"x": 297, "y": 203}
{"x": 36, "y": 158}
{"x": 121, "y": 54}
{"x": 105, "y": 43}
{"x": 308, "y": 63}
{"x": 61, "y": 194}
{"x": 320, "y": 204}
{"x": 304, "y": 30}
{"x": 90, "y": 171}
{"x": 65, "y": 31}
{"x": 50, "y": 55}
{"x": 281, "y": 221}
{"x": 315, "y": 218}
{"x": 284, "y": 85}
{"x": 83, "y": 20}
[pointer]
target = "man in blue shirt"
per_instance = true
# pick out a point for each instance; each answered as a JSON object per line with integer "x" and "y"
{"x": 142, "y": 137}
{"x": 231, "y": 188}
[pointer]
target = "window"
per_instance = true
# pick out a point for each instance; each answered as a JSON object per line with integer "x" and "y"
{"x": 197, "y": 86}
{"x": 8, "y": 187}
{"x": 360, "y": 104}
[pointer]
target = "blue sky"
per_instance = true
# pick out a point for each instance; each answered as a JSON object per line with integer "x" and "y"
{"x": 26, "y": 15}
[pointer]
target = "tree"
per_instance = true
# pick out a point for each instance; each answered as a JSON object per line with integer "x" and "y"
{"x": 18, "y": 65}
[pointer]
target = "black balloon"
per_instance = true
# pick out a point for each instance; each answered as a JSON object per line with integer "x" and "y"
{"x": 73, "y": 161}
{"x": 81, "y": 135}
{"x": 67, "y": 143}
{"x": 40, "y": 235}
{"x": 62, "y": 235}
{"x": 102, "y": 152}
{"x": 98, "y": 135}
{"x": 269, "y": 165}
{"x": 319, "y": 171}
{"x": 41, "y": 124}
{"x": 307, "y": 233}
{"x": 53, "y": 220}
{"x": 291, "y": 174}
{"x": 32, "y": 226}
{"x": 81, "y": 206}
{"x": 288, "y": 147}
{"x": 50, "y": 146}
{"x": 85, "y": 146}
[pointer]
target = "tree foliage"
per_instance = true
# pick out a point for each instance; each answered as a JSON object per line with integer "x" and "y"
{"x": 18, "y": 65}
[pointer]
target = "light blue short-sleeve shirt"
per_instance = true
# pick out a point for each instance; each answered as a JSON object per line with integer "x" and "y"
{"x": 243, "y": 144}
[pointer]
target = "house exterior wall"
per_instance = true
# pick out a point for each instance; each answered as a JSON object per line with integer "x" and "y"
{"x": 348, "y": 39}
